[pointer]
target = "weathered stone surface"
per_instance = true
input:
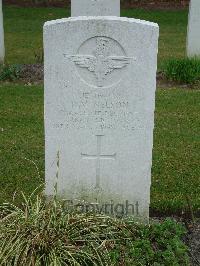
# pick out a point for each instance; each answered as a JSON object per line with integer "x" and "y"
{"x": 95, "y": 8}
{"x": 193, "y": 38}
{"x": 2, "y": 48}
{"x": 99, "y": 110}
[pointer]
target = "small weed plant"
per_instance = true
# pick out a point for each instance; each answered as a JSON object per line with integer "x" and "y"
{"x": 186, "y": 70}
{"x": 10, "y": 72}
{"x": 39, "y": 56}
{"x": 44, "y": 233}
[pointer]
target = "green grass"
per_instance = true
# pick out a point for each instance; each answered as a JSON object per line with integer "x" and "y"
{"x": 176, "y": 168}
{"x": 23, "y": 31}
{"x": 22, "y": 139}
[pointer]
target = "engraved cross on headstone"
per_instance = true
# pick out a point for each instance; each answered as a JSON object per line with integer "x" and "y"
{"x": 98, "y": 157}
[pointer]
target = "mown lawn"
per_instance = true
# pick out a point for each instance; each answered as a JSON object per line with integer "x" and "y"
{"x": 176, "y": 168}
{"x": 23, "y": 31}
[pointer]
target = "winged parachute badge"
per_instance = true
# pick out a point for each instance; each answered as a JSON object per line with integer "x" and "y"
{"x": 100, "y": 63}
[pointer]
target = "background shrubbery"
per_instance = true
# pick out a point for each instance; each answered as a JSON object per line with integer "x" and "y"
{"x": 183, "y": 70}
{"x": 123, "y": 2}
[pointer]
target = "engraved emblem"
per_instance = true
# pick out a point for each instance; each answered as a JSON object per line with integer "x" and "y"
{"x": 107, "y": 57}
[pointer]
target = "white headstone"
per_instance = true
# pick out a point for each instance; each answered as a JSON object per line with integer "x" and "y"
{"x": 95, "y": 8}
{"x": 2, "y": 49}
{"x": 99, "y": 111}
{"x": 193, "y": 38}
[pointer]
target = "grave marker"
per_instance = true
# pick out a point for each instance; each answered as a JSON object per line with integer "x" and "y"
{"x": 193, "y": 38}
{"x": 99, "y": 109}
{"x": 95, "y": 8}
{"x": 2, "y": 48}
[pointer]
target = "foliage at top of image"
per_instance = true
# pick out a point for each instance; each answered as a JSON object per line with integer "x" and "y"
{"x": 185, "y": 70}
{"x": 42, "y": 233}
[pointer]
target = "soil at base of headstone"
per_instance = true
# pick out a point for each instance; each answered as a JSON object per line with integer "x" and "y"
{"x": 154, "y": 4}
